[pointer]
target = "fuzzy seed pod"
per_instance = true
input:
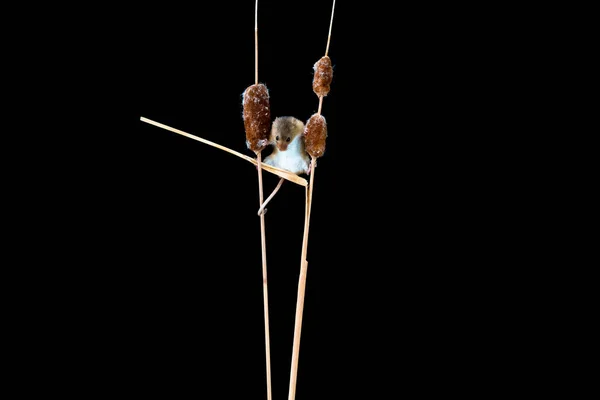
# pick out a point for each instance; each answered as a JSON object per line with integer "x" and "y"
{"x": 323, "y": 76}
{"x": 315, "y": 134}
{"x": 257, "y": 116}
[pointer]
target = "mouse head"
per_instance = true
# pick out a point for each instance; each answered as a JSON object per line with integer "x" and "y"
{"x": 284, "y": 130}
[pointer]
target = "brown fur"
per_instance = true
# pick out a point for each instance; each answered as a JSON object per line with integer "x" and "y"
{"x": 286, "y": 129}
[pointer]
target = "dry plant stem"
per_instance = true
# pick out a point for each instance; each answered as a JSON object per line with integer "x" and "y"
{"x": 282, "y": 173}
{"x": 330, "y": 26}
{"x": 263, "y": 243}
{"x": 301, "y": 285}
{"x": 297, "y": 329}
{"x": 303, "y": 262}
{"x": 256, "y": 43}
{"x": 313, "y": 167}
{"x": 263, "y": 240}
{"x": 262, "y": 210}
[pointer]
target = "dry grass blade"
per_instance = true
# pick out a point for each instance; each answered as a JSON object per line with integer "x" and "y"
{"x": 274, "y": 170}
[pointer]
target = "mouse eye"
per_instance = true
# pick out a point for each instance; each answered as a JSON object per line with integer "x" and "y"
{"x": 277, "y": 138}
{"x": 287, "y": 140}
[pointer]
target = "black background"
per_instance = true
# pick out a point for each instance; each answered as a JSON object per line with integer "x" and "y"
{"x": 197, "y": 205}
{"x": 159, "y": 242}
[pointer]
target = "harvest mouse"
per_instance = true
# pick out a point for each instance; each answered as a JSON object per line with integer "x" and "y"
{"x": 288, "y": 146}
{"x": 288, "y": 150}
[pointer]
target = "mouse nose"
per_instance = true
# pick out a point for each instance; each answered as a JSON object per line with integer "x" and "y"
{"x": 282, "y": 146}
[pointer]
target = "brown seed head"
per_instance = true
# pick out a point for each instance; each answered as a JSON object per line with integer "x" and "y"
{"x": 257, "y": 116}
{"x": 315, "y": 134}
{"x": 323, "y": 76}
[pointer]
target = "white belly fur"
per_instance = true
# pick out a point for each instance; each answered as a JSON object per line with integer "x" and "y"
{"x": 290, "y": 160}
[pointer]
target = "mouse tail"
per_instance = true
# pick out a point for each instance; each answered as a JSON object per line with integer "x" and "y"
{"x": 262, "y": 208}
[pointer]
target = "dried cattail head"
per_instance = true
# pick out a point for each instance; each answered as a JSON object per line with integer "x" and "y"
{"x": 323, "y": 76}
{"x": 315, "y": 134}
{"x": 257, "y": 116}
